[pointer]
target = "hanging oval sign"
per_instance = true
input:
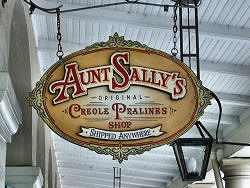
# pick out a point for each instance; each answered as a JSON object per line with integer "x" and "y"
{"x": 119, "y": 98}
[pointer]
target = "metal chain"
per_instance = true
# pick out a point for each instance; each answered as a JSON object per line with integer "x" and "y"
{"x": 59, "y": 52}
{"x": 174, "y": 50}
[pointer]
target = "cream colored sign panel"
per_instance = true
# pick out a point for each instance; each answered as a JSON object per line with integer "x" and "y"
{"x": 119, "y": 98}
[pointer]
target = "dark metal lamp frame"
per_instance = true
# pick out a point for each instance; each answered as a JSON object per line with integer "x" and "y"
{"x": 177, "y": 146}
{"x": 206, "y": 140}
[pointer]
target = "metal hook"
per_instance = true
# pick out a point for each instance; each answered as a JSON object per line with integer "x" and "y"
{"x": 51, "y": 10}
{"x": 32, "y": 8}
{"x": 3, "y": 2}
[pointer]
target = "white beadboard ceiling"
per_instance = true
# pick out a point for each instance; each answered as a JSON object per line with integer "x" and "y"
{"x": 224, "y": 41}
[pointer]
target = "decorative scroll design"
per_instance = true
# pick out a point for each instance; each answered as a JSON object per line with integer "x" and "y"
{"x": 116, "y": 41}
{"x": 36, "y": 99}
{"x": 120, "y": 153}
{"x": 204, "y": 97}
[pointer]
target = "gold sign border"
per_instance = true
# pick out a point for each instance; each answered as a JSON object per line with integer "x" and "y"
{"x": 121, "y": 152}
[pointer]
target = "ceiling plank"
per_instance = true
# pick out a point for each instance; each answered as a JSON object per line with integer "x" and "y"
{"x": 244, "y": 115}
{"x": 108, "y": 171}
{"x": 51, "y": 45}
{"x": 233, "y": 69}
{"x": 154, "y": 160}
{"x": 140, "y": 164}
{"x": 225, "y": 119}
{"x": 215, "y": 31}
{"x": 238, "y": 135}
{"x": 83, "y": 184}
{"x": 237, "y": 100}
{"x": 164, "y": 151}
{"x": 244, "y": 70}
{"x": 161, "y": 153}
{"x": 105, "y": 173}
{"x": 87, "y": 185}
{"x": 146, "y": 167}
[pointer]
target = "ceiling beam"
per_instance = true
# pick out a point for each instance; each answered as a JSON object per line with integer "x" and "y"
{"x": 140, "y": 164}
{"x": 162, "y": 154}
{"x": 106, "y": 171}
{"x": 86, "y": 185}
{"x": 132, "y": 162}
{"x": 137, "y": 179}
{"x": 76, "y": 184}
{"x": 144, "y": 157}
{"x": 237, "y": 100}
{"x": 165, "y": 152}
{"x": 221, "y": 32}
{"x": 61, "y": 144}
{"x": 238, "y": 135}
{"x": 83, "y": 184}
{"x": 243, "y": 70}
{"x": 244, "y": 115}
{"x": 226, "y": 68}
{"x": 51, "y": 45}
{"x": 146, "y": 167}
{"x": 225, "y": 119}
{"x": 84, "y": 157}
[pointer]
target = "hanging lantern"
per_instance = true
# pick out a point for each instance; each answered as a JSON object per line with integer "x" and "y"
{"x": 192, "y": 165}
{"x": 187, "y": 2}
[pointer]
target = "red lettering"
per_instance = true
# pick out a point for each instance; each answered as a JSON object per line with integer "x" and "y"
{"x": 106, "y": 70}
{"x": 118, "y": 79}
{"x": 95, "y": 75}
{"x": 120, "y": 70}
{"x": 71, "y": 79}
{"x": 154, "y": 78}
{"x": 118, "y": 108}
{"x": 144, "y": 76}
{"x": 83, "y": 81}
{"x": 83, "y": 111}
{"x": 164, "y": 110}
{"x": 106, "y": 111}
{"x": 129, "y": 111}
{"x": 157, "y": 111}
{"x": 180, "y": 84}
{"x": 119, "y": 124}
{"x": 135, "y": 76}
{"x": 164, "y": 78}
{"x": 75, "y": 108}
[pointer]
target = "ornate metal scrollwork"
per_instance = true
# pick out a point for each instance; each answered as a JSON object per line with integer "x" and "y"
{"x": 3, "y": 2}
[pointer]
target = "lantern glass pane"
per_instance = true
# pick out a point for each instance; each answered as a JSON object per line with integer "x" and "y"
{"x": 194, "y": 159}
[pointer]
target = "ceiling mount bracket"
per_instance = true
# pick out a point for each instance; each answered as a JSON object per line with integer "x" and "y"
{"x": 188, "y": 2}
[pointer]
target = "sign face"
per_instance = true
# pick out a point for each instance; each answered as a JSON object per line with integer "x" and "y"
{"x": 119, "y": 98}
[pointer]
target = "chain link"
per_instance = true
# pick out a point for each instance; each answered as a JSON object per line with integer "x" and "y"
{"x": 174, "y": 50}
{"x": 59, "y": 52}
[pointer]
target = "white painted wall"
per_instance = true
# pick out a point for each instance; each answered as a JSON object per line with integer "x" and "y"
{"x": 2, "y": 162}
{"x": 18, "y": 58}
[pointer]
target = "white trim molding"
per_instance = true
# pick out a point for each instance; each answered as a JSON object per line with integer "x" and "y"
{"x": 236, "y": 172}
{"x": 24, "y": 176}
{"x": 10, "y": 111}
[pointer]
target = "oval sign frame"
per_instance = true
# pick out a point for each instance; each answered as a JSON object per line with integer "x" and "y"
{"x": 46, "y": 97}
